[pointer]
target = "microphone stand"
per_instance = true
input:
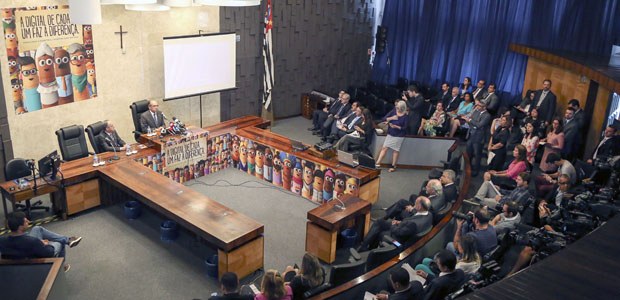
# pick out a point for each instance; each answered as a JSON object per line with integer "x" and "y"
{"x": 34, "y": 177}
{"x": 115, "y": 157}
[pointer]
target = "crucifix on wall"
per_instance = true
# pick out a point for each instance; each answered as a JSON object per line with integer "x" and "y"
{"x": 121, "y": 32}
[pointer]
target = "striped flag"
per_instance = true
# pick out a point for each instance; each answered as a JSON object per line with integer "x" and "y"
{"x": 268, "y": 77}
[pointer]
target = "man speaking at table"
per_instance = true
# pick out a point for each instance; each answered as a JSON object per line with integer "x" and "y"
{"x": 152, "y": 118}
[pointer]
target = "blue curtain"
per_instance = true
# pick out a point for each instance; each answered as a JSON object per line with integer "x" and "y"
{"x": 445, "y": 40}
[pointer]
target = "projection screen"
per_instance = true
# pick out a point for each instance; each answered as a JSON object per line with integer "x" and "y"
{"x": 198, "y": 64}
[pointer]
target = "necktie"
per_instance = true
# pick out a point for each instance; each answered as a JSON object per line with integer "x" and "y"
{"x": 542, "y": 97}
{"x": 155, "y": 118}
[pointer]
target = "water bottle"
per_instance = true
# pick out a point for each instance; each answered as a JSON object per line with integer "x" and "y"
{"x": 95, "y": 160}
{"x": 149, "y": 131}
{"x": 127, "y": 149}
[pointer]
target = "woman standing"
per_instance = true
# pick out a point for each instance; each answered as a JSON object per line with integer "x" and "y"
{"x": 497, "y": 144}
{"x": 436, "y": 120}
{"x": 553, "y": 144}
{"x": 397, "y": 128}
{"x": 530, "y": 141}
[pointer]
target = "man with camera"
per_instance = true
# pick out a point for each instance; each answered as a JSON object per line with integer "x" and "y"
{"x": 477, "y": 225}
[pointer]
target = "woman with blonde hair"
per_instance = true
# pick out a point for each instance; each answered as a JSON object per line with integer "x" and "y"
{"x": 311, "y": 275}
{"x": 273, "y": 288}
{"x": 396, "y": 121}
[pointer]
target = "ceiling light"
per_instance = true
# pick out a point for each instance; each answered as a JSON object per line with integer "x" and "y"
{"x": 85, "y": 11}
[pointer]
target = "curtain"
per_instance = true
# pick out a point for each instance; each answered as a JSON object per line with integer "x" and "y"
{"x": 445, "y": 40}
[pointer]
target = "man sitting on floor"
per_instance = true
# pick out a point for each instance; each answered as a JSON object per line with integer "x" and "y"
{"x": 403, "y": 230}
{"x": 38, "y": 243}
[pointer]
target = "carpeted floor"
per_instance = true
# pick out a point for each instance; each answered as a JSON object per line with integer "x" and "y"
{"x": 121, "y": 259}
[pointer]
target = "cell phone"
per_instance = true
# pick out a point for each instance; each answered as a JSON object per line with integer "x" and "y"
{"x": 254, "y": 288}
{"x": 396, "y": 243}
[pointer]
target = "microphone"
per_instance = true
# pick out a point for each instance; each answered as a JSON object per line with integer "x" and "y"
{"x": 162, "y": 114}
{"x": 115, "y": 157}
{"x": 340, "y": 206}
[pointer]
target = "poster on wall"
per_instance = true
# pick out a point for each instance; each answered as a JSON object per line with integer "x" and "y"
{"x": 51, "y": 61}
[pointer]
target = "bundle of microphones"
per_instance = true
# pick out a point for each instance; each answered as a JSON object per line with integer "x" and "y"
{"x": 174, "y": 127}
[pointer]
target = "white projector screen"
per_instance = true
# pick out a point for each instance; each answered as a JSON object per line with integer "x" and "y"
{"x": 200, "y": 64}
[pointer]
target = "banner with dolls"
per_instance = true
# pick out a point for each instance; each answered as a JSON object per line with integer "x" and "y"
{"x": 51, "y": 61}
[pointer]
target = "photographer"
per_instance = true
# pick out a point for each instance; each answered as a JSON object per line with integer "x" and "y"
{"x": 477, "y": 226}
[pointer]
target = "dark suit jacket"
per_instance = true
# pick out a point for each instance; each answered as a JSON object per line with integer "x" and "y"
{"x": 441, "y": 97}
{"x": 146, "y": 120}
{"x": 492, "y": 104}
{"x": 416, "y": 110}
{"x": 438, "y": 202}
{"x": 232, "y": 296}
{"x": 546, "y": 110}
{"x": 481, "y": 95}
{"x": 451, "y": 106}
{"x": 108, "y": 143}
{"x": 439, "y": 287}
{"x": 580, "y": 117}
{"x": 610, "y": 148}
{"x": 479, "y": 125}
{"x": 410, "y": 226}
{"x": 450, "y": 193}
{"x": 571, "y": 137}
{"x": 415, "y": 292}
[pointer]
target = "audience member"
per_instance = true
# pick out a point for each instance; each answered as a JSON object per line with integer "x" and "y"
{"x": 397, "y": 129}
{"x": 450, "y": 190}
{"x": 453, "y": 101}
{"x": 465, "y": 109}
{"x": 479, "y": 228}
{"x": 508, "y": 219}
{"x": 272, "y": 287}
{"x": 403, "y": 230}
{"x": 497, "y": 144}
{"x": 571, "y": 134}
{"x": 579, "y": 115}
{"x": 533, "y": 118}
{"x": 466, "y": 86}
{"x": 530, "y": 142}
{"x": 310, "y": 276}
{"x": 38, "y": 243}
{"x": 347, "y": 125}
{"x": 229, "y": 284}
{"x": 449, "y": 279}
{"x": 469, "y": 263}
{"x": 152, "y": 118}
{"x": 336, "y": 111}
{"x": 507, "y": 177}
{"x": 554, "y": 142}
{"x": 402, "y": 208}
{"x": 437, "y": 120}
{"x": 350, "y": 114}
{"x": 490, "y": 195}
{"x": 320, "y": 115}
{"x": 545, "y": 102}
{"x": 545, "y": 182}
{"x": 492, "y": 100}
{"x": 404, "y": 289}
{"x": 361, "y": 136}
{"x": 108, "y": 139}
{"x": 525, "y": 107}
{"x": 415, "y": 103}
{"x": 444, "y": 96}
{"x": 480, "y": 92}
{"x": 608, "y": 147}
{"x": 516, "y": 135}
{"x": 478, "y": 126}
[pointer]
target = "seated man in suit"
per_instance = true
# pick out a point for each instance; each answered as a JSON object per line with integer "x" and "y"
{"x": 347, "y": 125}
{"x": 108, "y": 139}
{"x": 230, "y": 288}
{"x": 488, "y": 193}
{"x": 152, "y": 118}
{"x": 480, "y": 92}
{"x": 450, "y": 191}
{"x": 448, "y": 281}
{"x": 403, "y": 208}
{"x": 336, "y": 111}
{"x": 403, "y": 288}
{"x": 403, "y": 230}
{"x": 608, "y": 147}
{"x": 38, "y": 243}
{"x": 320, "y": 115}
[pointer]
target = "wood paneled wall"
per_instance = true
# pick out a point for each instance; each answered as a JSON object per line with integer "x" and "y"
{"x": 598, "y": 118}
{"x": 566, "y": 85}
{"x": 318, "y": 44}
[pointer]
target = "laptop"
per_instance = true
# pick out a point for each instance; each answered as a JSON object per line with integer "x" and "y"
{"x": 347, "y": 158}
{"x": 366, "y": 161}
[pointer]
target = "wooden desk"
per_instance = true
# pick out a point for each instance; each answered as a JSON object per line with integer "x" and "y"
{"x": 39, "y": 278}
{"x": 156, "y": 142}
{"x": 369, "y": 180}
{"x": 326, "y": 221}
{"x": 238, "y": 238}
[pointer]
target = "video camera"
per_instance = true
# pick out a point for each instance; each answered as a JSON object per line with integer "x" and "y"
{"x": 544, "y": 242}
{"x": 467, "y": 217}
{"x": 486, "y": 275}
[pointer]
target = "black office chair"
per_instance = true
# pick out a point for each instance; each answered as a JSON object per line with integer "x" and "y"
{"x": 340, "y": 274}
{"x": 137, "y": 108}
{"x": 92, "y": 131}
{"x": 72, "y": 142}
{"x": 442, "y": 213}
{"x": 375, "y": 257}
{"x": 18, "y": 168}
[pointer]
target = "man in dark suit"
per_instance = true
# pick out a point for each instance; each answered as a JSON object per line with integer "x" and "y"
{"x": 450, "y": 191}
{"x": 404, "y": 289}
{"x": 230, "y": 288}
{"x": 580, "y": 118}
{"x": 403, "y": 230}
{"x": 108, "y": 139}
{"x": 480, "y": 93}
{"x": 152, "y": 118}
{"x": 348, "y": 125}
{"x": 478, "y": 126}
{"x": 492, "y": 100}
{"x": 403, "y": 209}
{"x": 415, "y": 103}
{"x": 448, "y": 281}
{"x": 443, "y": 96}
{"x": 336, "y": 111}
{"x": 320, "y": 115}
{"x": 571, "y": 134}
{"x": 453, "y": 101}
{"x": 545, "y": 102}
{"x": 608, "y": 147}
